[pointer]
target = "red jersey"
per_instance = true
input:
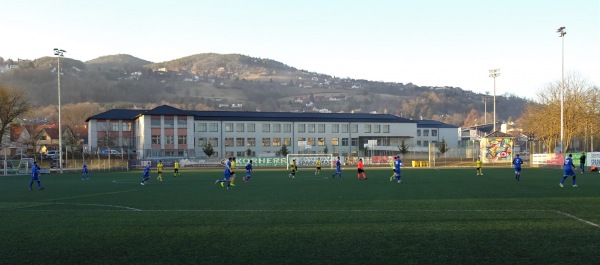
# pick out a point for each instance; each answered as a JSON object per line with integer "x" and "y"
{"x": 360, "y": 165}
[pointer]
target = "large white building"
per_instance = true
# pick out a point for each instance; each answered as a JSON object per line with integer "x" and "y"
{"x": 168, "y": 132}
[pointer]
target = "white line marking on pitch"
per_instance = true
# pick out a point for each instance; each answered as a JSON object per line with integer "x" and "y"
{"x": 577, "y": 218}
{"x": 100, "y": 205}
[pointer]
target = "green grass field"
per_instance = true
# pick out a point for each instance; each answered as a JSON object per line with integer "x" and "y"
{"x": 436, "y": 216}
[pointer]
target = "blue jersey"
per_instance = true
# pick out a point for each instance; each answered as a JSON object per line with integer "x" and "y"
{"x": 248, "y": 167}
{"x": 517, "y": 162}
{"x": 338, "y": 165}
{"x": 84, "y": 169}
{"x": 147, "y": 171}
{"x": 569, "y": 164}
{"x": 35, "y": 171}
{"x": 397, "y": 164}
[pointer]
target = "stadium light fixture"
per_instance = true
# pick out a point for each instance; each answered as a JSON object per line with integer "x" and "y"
{"x": 493, "y": 74}
{"x": 561, "y": 33}
{"x": 59, "y": 53}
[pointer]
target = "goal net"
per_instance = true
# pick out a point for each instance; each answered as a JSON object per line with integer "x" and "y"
{"x": 310, "y": 160}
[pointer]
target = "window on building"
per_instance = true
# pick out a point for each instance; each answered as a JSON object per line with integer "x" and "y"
{"x": 239, "y": 127}
{"x": 354, "y": 142}
{"x": 228, "y": 141}
{"x": 251, "y": 142}
{"x": 213, "y": 127}
{"x": 181, "y": 122}
{"x": 386, "y": 129}
{"x": 251, "y": 127}
{"x": 418, "y": 132}
{"x": 425, "y": 143}
{"x": 241, "y": 153}
{"x": 345, "y": 128}
{"x": 287, "y": 128}
{"x": 169, "y": 139}
{"x": 434, "y": 132}
{"x": 287, "y": 141}
{"x": 418, "y": 143}
{"x": 345, "y": 141}
{"x": 311, "y": 128}
{"x": 201, "y": 127}
{"x": 335, "y": 128}
{"x": 182, "y": 139}
{"x": 240, "y": 142}
{"x": 335, "y": 141}
{"x": 214, "y": 142}
{"x": 301, "y": 139}
{"x": 354, "y": 128}
{"x": 202, "y": 142}
{"x": 276, "y": 141}
{"x": 155, "y": 139}
{"x": 321, "y": 128}
{"x": 169, "y": 123}
{"x": 321, "y": 141}
{"x": 229, "y": 127}
{"x": 301, "y": 128}
{"x": 266, "y": 141}
{"x": 367, "y": 128}
{"x": 266, "y": 127}
{"x": 311, "y": 141}
{"x": 155, "y": 122}
{"x": 276, "y": 128}
{"x": 126, "y": 126}
{"x": 114, "y": 126}
{"x": 377, "y": 128}
{"x": 425, "y": 132}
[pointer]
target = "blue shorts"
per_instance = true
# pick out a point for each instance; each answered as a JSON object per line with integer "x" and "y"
{"x": 569, "y": 172}
{"x": 517, "y": 169}
{"x": 227, "y": 176}
{"x": 35, "y": 177}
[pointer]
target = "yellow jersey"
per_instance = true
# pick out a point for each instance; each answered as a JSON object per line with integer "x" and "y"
{"x": 318, "y": 162}
{"x": 478, "y": 163}
{"x": 176, "y": 165}
{"x": 159, "y": 167}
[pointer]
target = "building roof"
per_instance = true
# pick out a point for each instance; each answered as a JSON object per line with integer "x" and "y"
{"x": 125, "y": 114}
{"x": 117, "y": 114}
{"x": 498, "y": 134}
{"x": 434, "y": 124}
{"x": 297, "y": 116}
{"x": 167, "y": 110}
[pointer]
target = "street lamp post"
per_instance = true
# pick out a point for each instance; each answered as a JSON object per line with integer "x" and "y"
{"x": 561, "y": 33}
{"x": 493, "y": 74}
{"x": 59, "y": 53}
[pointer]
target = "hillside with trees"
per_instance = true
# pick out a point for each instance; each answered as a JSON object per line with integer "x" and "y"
{"x": 239, "y": 82}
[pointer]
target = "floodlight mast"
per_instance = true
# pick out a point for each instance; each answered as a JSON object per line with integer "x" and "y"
{"x": 561, "y": 33}
{"x": 493, "y": 74}
{"x": 59, "y": 53}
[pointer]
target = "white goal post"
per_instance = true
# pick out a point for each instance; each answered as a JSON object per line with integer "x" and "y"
{"x": 309, "y": 160}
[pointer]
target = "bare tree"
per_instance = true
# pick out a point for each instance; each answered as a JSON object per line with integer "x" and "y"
{"x": 580, "y": 109}
{"x": 13, "y": 102}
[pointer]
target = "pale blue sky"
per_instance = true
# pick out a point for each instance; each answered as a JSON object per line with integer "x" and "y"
{"x": 428, "y": 42}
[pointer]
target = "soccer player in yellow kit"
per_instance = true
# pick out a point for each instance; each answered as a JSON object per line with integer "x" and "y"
{"x": 232, "y": 169}
{"x": 318, "y": 171}
{"x": 393, "y": 169}
{"x": 159, "y": 169}
{"x": 176, "y": 169}
{"x": 478, "y": 165}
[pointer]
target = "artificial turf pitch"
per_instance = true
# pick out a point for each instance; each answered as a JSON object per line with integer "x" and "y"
{"x": 435, "y": 216}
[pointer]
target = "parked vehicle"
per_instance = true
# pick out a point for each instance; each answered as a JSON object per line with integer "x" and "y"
{"x": 111, "y": 152}
{"x": 52, "y": 154}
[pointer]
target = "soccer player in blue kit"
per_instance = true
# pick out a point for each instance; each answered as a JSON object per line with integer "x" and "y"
{"x": 84, "y": 172}
{"x": 248, "y": 171}
{"x": 397, "y": 165}
{"x": 146, "y": 175}
{"x": 517, "y": 162}
{"x": 226, "y": 176}
{"x": 568, "y": 171}
{"x": 35, "y": 176}
{"x": 338, "y": 168}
